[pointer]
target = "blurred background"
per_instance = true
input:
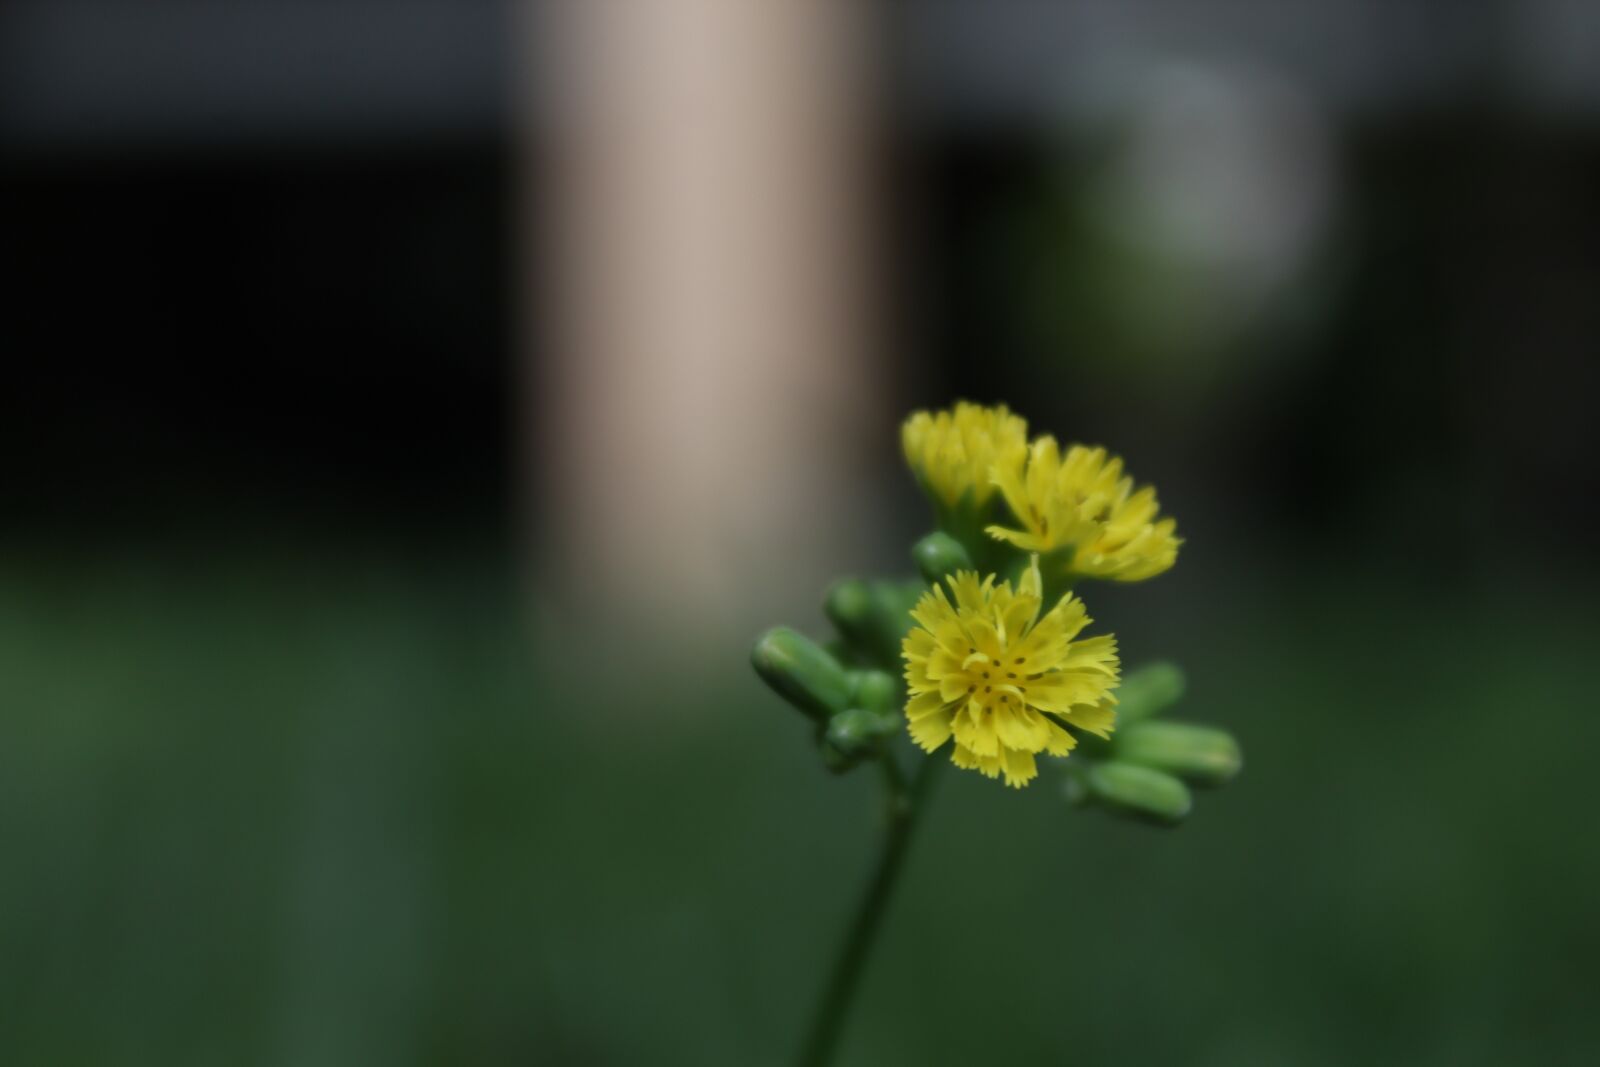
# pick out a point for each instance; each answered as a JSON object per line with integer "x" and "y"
{"x": 413, "y": 409}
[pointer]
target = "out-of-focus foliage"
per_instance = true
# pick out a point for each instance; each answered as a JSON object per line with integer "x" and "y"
{"x": 269, "y": 810}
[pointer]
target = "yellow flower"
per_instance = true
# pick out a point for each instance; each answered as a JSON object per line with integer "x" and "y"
{"x": 952, "y": 452}
{"x": 1085, "y": 502}
{"x": 990, "y": 672}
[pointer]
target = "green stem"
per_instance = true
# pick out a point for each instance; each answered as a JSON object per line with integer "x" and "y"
{"x": 905, "y": 804}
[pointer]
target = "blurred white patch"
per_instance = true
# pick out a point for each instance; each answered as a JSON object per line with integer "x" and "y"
{"x": 1221, "y": 182}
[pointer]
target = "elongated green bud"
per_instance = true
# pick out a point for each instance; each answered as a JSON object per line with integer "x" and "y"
{"x": 1148, "y": 691}
{"x": 856, "y": 730}
{"x": 1203, "y": 755}
{"x": 939, "y": 554}
{"x": 1135, "y": 791}
{"x": 801, "y": 672}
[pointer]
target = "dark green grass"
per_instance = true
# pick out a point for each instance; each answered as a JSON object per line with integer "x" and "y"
{"x": 301, "y": 812}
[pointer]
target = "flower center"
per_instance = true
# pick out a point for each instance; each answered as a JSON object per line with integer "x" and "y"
{"x": 999, "y": 681}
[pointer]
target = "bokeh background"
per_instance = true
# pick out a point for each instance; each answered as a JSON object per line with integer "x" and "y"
{"x": 412, "y": 409}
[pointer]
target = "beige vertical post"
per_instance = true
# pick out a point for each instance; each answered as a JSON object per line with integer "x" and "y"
{"x": 708, "y": 383}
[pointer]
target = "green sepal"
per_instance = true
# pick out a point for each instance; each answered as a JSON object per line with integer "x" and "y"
{"x": 964, "y": 522}
{"x": 1056, "y": 576}
{"x": 1203, "y": 755}
{"x": 803, "y": 673}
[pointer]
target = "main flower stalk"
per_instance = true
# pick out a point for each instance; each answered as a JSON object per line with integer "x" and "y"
{"x": 905, "y": 804}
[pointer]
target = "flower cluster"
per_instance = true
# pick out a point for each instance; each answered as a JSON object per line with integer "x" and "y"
{"x": 985, "y": 668}
{"x": 993, "y": 646}
{"x": 990, "y": 652}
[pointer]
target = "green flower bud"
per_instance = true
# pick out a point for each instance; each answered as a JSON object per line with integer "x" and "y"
{"x": 876, "y": 690}
{"x": 849, "y": 605}
{"x": 856, "y": 730}
{"x": 1148, "y": 691}
{"x": 1134, "y": 791}
{"x": 872, "y": 617}
{"x": 939, "y": 554}
{"x": 1201, "y": 754}
{"x": 838, "y": 762}
{"x": 802, "y": 673}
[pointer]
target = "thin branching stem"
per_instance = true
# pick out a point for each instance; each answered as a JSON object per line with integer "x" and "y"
{"x": 905, "y": 804}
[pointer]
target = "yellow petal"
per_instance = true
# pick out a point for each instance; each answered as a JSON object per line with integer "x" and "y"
{"x": 1010, "y": 729}
{"x": 1030, "y": 584}
{"x": 924, "y": 704}
{"x": 918, "y": 644}
{"x": 1022, "y": 539}
{"x": 1061, "y": 741}
{"x": 1007, "y": 474}
{"x": 1093, "y": 653}
{"x": 1038, "y": 730}
{"x": 1044, "y": 465}
{"x": 985, "y": 637}
{"x": 953, "y": 686}
{"x": 970, "y": 592}
{"x": 1061, "y": 692}
{"x": 930, "y": 731}
{"x": 1020, "y": 767}
{"x": 1099, "y": 719}
{"x": 976, "y": 731}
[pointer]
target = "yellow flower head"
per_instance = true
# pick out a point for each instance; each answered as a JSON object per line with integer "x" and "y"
{"x": 990, "y": 672}
{"x": 1085, "y": 502}
{"x": 951, "y": 452}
